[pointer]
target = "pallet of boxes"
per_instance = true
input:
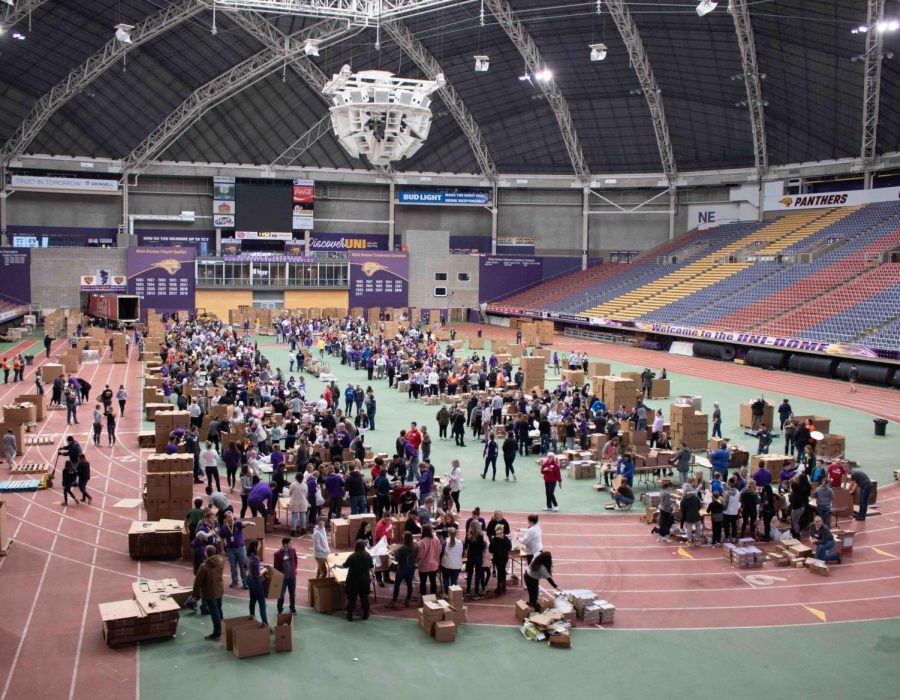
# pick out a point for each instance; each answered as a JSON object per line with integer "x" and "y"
{"x": 165, "y": 423}
{"x": 744, "y": 554}
{"x": 533, "y": 376}
{"x": 152, "y": 613}
{"x": 119, "y": 348}
{"x": 18, "y": 417}
{"x": 441, "y": 618}
{"x": 617, "y": 391}
{"x": 688, "y": 425}
{"x": 168, "y": 486}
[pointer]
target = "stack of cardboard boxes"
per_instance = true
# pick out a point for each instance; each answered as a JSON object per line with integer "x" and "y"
{"x": 533, "y": 372}
{"x": 153, "y": 613}
{"x": 440, "y": 618}
{"x": 38, "y": 401}
{"x": 119, "y": 348}
{"x": 575, "y": 377}
{"x": 169, "y": 485}
{"x": 16, "y": 417}
{"x": 245, "y": 636}
{"x": 771, "y": 463}
{"x": 160, "y": 539}
{"x": 166, "y": 422}
{"x": 688, "y": 425}
{"x": 745, "y": 557}
{"x": 617, "y": 391}
{"x": 340, "y": 533}
{"x": 746, "y": 414}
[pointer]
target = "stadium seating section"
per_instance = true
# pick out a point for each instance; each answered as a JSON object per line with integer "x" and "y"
{"x": 818, "y": 275}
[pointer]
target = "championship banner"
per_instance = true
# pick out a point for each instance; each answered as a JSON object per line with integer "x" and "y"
{"x": 163, "y": 278}
{"x": 379, "y": 279}
{"x": 15, "y": 275}
{"x": 104, "y": 281}
{"x": 303, "y": 197}
{"x": 224, "y": 190}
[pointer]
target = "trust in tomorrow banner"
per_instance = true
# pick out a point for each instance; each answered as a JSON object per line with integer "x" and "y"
{"x": 163, "y": 278}
{"x": 379, "y": 279}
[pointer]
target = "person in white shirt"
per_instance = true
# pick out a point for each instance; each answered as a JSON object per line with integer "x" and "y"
{"x": 451, "y": 560}
{"x": 658, "y": 424}
{"x": 209, "y": 459}
{"x": 320, "y": 548}
{"x": 455, "y": 482}
{"x": 531, "y": 538}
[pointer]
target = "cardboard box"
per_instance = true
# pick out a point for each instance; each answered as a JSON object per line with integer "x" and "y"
{"x": 561, "y": 640}
{"x": 284, "y": 632}
{"x": 523, "y": 610}
{"x": 229, "y": 624}
{"x": 458, "y": 615}
{"x": 273, "y": 580}
{"x": 425, "y": 622}
{"x": 444, "y": 631}
{"x": 251, "y": 640}
{"x": 330, "y": 597}
{"x": 340, "y": 532}
{"x": 455, "y": 597}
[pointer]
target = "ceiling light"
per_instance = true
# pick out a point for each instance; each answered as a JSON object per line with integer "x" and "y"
{"x": 18, "y": 35}
{"x": 123, "y": 32}
{"x": 704, "y": 7}
{"x": 545, "y": 75}
{"x": 887, "y": 25}
{"x": 598, "y": 52}
{"x": 525, "y": 78}
{"x": 482, "y": 63}
{"x": 312, "y": 48}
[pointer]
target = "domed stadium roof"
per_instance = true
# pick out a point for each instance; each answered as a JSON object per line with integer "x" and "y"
{"x": 673, "y": 94}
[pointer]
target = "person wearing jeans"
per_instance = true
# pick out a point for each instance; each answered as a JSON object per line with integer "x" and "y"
{"x": 255, "y": 583}
{"x": 285, "y": 561}
{"x": 428, "y": 556}
{"x": 209, "y": 588}
{"x": 406, "y": 569}
{"x": 823, "y": 539}
{"x": 232, "y": 535}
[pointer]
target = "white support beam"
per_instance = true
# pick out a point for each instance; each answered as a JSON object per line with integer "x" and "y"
{"x": 872, "y": 87}
{"x": 641, "y": 65}
{"x": 744, "y": 30}
{"x": 429, "y": 65}
{"x": 228, "y": 84}
{"x": 13, "y": 14}
{"x": 364, "y": 13}
{"x": 522, "y": 40}
{"x": 312, "y": 136}
{"x": 79, "y": 78}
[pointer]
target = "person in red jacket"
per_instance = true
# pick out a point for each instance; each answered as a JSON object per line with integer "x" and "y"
{"x": 414, "y": 436}
{"x": 837, "y": 470}
{"x": 285, "y": 561}
{"x": 552, "y": 477}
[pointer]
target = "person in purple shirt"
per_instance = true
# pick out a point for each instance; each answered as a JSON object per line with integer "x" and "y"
{"x": 232, "y": 534}
{"x": 762, "y": 477}
{"x": 426, "y": 480}
{"x": 258, "y": 498}
{"x": 277, "y": 459}
{"x": 312, "y": 488}
{"x": 172, "y": 446}
{"x": 334, "y": 487}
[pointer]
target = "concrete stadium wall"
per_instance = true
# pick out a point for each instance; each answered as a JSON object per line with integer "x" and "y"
{"x": 56, "y": 276}
{"x": 429, "y": 253}
{"x": 83, "y": 211}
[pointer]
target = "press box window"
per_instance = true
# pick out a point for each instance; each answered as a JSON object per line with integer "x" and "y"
{"x": 440, "y": 291}
{"x": 440, "y": 276}
{"x": 462, "y": 276}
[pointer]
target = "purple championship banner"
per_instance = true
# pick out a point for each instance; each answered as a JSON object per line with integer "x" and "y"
{"x": 15, "y": 275}
{"x": 500, "y": 276}
{"x": 163, "y": 278}
{"x": 379, "y": 278}
{"x": 347, "y": 241}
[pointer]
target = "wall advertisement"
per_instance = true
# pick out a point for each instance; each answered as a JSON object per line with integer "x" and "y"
{"x": 476, "y": 198}
{"x": 794, "y": 202}
{"x": 224, "y": 190}
{"x": 163, "y": 278}
{"x": 15, "y": 275}
{"x": 303, "y": 197}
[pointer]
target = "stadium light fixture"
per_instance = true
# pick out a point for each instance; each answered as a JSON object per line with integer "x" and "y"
{"x": 123, "y": 33}
{"x": 18, "y": 35}
{"x": 545, "y": 75}
{"x": 482, "y": 63}
{"x": 598, "y": 52}
{"x": 704, "y": 7}
{"x": 312, "y": 48}
{"x": 886, "y": 26}
{"x": 379, "y": 115}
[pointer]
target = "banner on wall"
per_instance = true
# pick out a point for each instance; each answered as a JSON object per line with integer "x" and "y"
{"x": 342, "y": 241}
{"x": 163, "y": 278}
{"x": 268, "y": 257}
{"x": 264, "y": 235}
{"x": 500, "y": 276}
{"x": 379, "y": 278}
{"x": 474, "y": 198}
{"x": 63, "y": 184}
{"x": 204, "y": 241}
{"x": 303, "y": 197}
{"x": 792, "y": 202}
{"x": 224, "y": 190}
{"x": 104, "y": 281}
{"x": 15, "y": 275}
{"x": 703, "y": 216}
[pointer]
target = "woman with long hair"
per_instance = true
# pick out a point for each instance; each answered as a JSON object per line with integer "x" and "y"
{"x": 475, "y": 547}
{"x": 451, "y": 560}
{"x": 428, "y": 556}
{"x": 541, "y": 567}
